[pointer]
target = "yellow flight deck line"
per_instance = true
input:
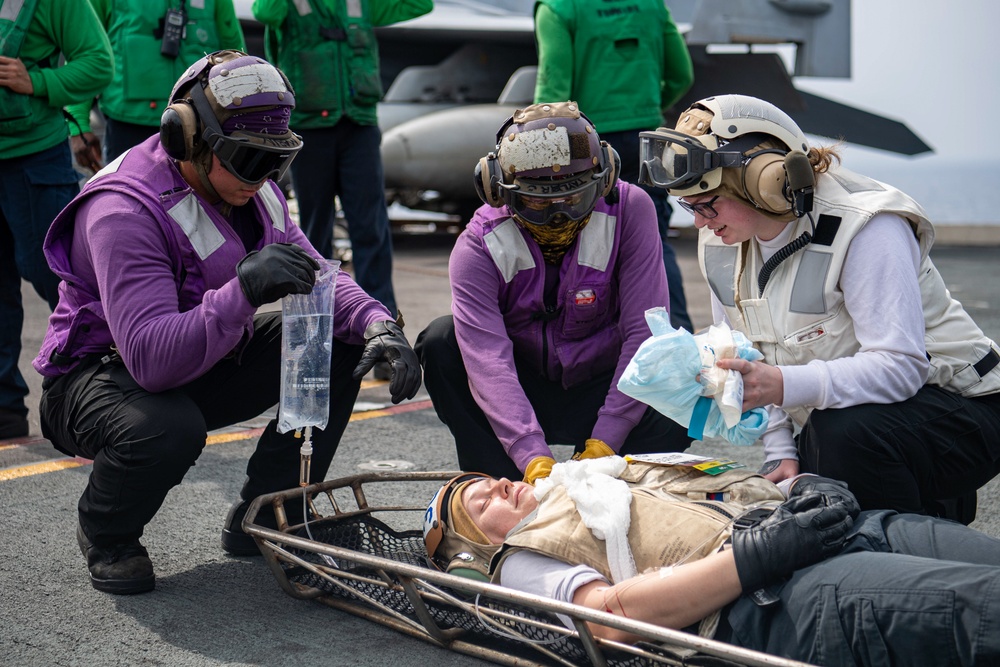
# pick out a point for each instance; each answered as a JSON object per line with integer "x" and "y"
{"x": 54, "y": 465}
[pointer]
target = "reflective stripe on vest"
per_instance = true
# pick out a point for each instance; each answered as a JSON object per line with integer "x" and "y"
{"x": 273, "y": 205}
{"x": 10, "y": 9}
{"x": 596, "y": 241}
{"x": 201, "y": 231}
{"x": 510, "y": 251}
{"x": 204, "y": 236}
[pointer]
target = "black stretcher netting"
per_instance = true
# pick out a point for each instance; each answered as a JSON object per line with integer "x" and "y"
{"x": 369, "y": 535}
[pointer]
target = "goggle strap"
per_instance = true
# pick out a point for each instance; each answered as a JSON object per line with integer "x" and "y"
{"x": 205, "y": 114}
{"x": 741, "y": 145}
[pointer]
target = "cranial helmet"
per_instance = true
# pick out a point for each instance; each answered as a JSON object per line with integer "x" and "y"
{"x": 741, "y": 144}
{"x": 549, "y": 162}
{"x": 237, "y": 107}
{"x": 453, "y": 542}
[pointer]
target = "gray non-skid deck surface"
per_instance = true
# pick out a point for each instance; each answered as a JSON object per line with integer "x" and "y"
{"x": 211, "y": 609}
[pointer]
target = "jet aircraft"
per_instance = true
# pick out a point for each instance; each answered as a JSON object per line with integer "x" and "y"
{"x": 454, "y": 75}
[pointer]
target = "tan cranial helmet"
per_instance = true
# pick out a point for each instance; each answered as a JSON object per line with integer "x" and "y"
{"x": 454, "y": 542}
{"x": 737, "y": 143}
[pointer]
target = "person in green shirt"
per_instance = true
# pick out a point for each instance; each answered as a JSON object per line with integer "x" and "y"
{"x": 37, "y": 178}
{"x": 149, "y": 58}
{"x": 329, "y": 52}
{"x": 626, "y": 63}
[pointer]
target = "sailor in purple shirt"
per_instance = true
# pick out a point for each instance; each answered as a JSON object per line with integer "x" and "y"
{"x": 550, "y": 282}
{"x": 164, "y": 258}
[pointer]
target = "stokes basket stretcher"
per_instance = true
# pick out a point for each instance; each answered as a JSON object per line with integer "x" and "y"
{"x": 362, "y": 552}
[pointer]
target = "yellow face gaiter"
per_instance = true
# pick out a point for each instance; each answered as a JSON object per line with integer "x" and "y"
{"x": 555, "y": 238}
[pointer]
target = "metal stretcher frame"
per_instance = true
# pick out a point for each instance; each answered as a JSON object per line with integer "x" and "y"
{"x": 449, "y": 611}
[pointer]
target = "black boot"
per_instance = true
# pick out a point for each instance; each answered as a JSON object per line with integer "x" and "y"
{"x": 121, "y": 569}
{"x": 12, "y": 424}
{"x": 238, "y": 543}
{"x": 234, "y": 540}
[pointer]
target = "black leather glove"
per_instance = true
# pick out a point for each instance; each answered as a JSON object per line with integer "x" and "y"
{"x": 385, "y": 340}
{"x": 801, "y": 531}
{"x": 834, "y": 491}
{"x": 274, "y": 271}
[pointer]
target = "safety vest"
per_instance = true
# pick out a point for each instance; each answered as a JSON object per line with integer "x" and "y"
{"x": 144, "y": 78}
{"x": 678, "y": 515}
{"x": 580, "y": 334}
{"x": 617, "y": 60}
{"x": 327, "y": 49}
{"x": 203, "y": 249}
{"x": 800, "y": 316}
{"x": 15, "y": 108}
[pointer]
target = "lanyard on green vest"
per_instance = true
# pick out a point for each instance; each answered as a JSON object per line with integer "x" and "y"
{"x": 15, "y": 15}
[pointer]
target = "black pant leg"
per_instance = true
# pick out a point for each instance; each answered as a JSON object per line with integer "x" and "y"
{"x": 909, "y": 455}
{"x": 142, "y": 444}
{"x": 567, "y": 416}
{"x": 447, "y": 382}
{"x": 243, "y": 387}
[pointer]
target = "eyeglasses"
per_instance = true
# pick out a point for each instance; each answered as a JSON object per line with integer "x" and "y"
{"x": 703, "y": 208}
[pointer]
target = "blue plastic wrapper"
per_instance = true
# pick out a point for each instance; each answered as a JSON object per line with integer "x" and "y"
{"x": 664, "y": 374}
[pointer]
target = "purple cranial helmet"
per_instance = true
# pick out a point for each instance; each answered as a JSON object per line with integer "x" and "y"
{"x": 238, "y": 107}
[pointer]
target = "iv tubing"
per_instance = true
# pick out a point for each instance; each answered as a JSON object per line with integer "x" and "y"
{"x": 305, "y": 457}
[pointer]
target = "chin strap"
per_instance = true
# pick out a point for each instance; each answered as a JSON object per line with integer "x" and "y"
{"x": 202, "y": 162}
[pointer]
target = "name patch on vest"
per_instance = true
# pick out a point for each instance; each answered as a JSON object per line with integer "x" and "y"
{"x": 585, "y": 297}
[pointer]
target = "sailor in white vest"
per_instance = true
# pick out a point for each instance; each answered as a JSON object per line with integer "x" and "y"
{"x": 883, "y": 378}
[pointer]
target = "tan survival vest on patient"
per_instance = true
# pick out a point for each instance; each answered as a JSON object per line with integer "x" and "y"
{"x": 678, "y": 514}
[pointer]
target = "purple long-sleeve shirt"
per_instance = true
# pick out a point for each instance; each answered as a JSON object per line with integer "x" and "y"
{"x": 133, "y": 281}
{"x": 607, "y": 281}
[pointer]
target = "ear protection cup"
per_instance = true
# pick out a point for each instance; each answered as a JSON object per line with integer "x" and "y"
{"x": 487, "y": 175}
{"x": 764, "y": 181}
{"x": 179, "y": 130}
{"x": 488, "y": 172}
{"x": 772, "y": 179}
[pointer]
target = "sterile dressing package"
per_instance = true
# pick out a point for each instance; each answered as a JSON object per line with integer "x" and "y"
{"x": 674, "y": 372}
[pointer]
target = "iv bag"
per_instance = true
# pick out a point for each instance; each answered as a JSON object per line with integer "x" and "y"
{"x": 306, "y": 347}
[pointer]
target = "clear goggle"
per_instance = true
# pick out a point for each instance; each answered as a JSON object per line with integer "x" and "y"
{"x": 542, "y": 201}
{"x": 436, "y": 516}
{"x": 253, "y": 158}
{"x": 676, "y": 161}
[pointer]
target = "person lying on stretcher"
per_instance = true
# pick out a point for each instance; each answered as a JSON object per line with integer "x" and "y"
{"x": 796, "y": 571}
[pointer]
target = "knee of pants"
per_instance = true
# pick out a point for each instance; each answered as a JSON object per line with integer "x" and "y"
{"x": 168, "y": 443}
{"x": 838, "y": 443}
{"x": 437, "y": 346}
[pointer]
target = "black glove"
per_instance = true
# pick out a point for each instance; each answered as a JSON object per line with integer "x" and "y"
{"x": 834, "y": 491}
{"x": 274, "y": 271}
{"x": 385, "y": 340}
{"x": 801, "y": 531}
